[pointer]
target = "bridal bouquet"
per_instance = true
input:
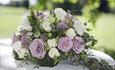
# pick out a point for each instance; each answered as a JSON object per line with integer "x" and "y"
{"x": 50, "y": 37}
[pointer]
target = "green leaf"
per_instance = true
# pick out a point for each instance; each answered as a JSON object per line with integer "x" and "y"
{"x": 15, "y": 55}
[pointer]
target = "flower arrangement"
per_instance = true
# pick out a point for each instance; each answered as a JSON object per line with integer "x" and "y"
{"x": 49, "y": 37}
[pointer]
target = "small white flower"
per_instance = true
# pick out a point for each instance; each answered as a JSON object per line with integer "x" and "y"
{"x": 60, "y": 13}
{"x": 26, "y": 25}
{"x": 29, "y": 34}
{"x": 46, "y": 26}
{"x": 79, "y": 28}
{"x": 46, "y": 13}
{"x": 17, "y": 33}
{"x": 53, "y": 53}
{"x": 52, "y": 42}
{"x": 17, "y": 47}
{"x": 71, "y": 33}
{"x": 51, "y": 19}
{"x": 48, "y": 17}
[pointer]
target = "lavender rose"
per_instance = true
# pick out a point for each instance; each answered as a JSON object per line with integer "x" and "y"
{"x": 24, "y": 41}
{"x": 78, "y": 45}
{"x": 65, "y": 44}
{"x": 62, "y": 25}
{"x": 37, "y": 48}
{"x": 20, "y": 45}
{"x": 15, "y": 38}
{"x": 40, "y": 15}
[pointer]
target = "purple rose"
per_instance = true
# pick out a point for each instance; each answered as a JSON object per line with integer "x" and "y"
{"x": 24, "y": 41}
{"x": 65, "y": 44}
{"x": 14, "y": 38}
{"x": 62, "y": 25}
{"x": 44, "y": 37}
{"x": 37, "y": 48}
{"x": 78, "y": 44}
{"x": 39, "y": 15}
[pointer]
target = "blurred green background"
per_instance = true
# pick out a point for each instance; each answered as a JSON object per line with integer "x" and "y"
{"x": 101, "y": 17}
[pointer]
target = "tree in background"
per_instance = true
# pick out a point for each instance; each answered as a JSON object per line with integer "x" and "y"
{"x": 19, "y": 3}
{"x": 26, "y": 3}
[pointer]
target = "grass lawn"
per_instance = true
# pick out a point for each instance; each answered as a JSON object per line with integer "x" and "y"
{"x": 10, "y": 18}
{"x": 104, "y": 32}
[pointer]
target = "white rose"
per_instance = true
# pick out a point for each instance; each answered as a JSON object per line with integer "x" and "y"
{"x": 79, "y": 28}
{"x": 60, "y": 13}
{"x": 71, "y": 33}
{"x": 46, "y": 25}
{"x": 46, "y": 13}
{"x": 29, "y": 34}
{"x": 26, "y": 25}
{"x": 48, "y": 17}
{"x": 53, "y": 53}
{"x": 51, "y": 19}
{"x": 17, "y": 47}
{"x": 52, "y": 42}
